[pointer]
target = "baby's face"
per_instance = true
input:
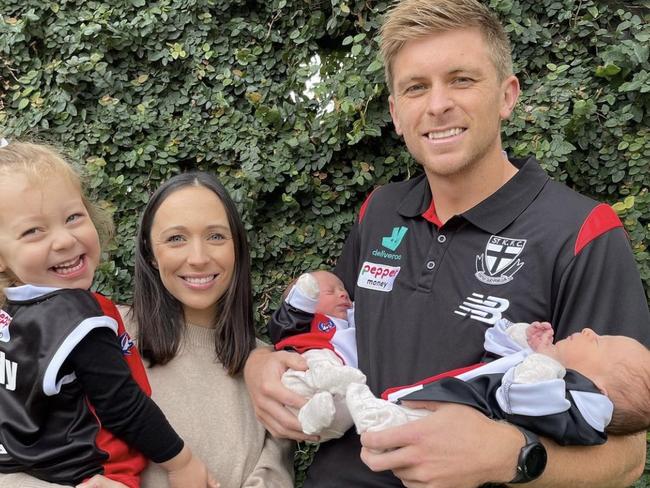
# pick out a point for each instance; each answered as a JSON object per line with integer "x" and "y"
{"x": 333, "y": 299}
{"x": 593, "y": 355}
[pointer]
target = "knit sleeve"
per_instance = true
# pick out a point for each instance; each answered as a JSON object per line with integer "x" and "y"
{"x": 23, "y": 480}
{"x": 274, "y": 468}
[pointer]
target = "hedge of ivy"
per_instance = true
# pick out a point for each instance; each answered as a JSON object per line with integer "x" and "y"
{"x": 139, "y": 90}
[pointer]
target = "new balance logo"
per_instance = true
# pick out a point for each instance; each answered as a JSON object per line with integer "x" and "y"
{"x": 484, "y": 309}
{"x": 393, "y": 241}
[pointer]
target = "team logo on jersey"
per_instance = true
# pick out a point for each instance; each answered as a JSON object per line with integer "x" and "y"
{"x": 5, "y": 320}
{"x": 379, "y": 277}
{"x": 126, "y": 343}
{"x": 500, "y": 261}
{"x": 484, "y": 309}
{"x": 326, "y": 325}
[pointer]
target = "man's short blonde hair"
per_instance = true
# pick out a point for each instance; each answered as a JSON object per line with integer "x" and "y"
{"x": 408, "y": 20}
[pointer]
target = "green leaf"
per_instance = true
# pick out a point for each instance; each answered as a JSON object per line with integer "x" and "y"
{"x": 607, "y": 70}
{"x": 374, "y": 66}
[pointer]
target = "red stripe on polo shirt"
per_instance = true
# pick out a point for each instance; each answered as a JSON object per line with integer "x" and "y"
{"x": 602, "y": 218}
{"x": 431, "y": 215}
{"x": 364, "y": 205}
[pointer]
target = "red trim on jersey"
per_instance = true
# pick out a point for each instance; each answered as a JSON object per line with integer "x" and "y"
{"x": 124, "y": 464}
{"x": 319, "y": 337}
{"x": 602, "y": 218}
{"x": 431, "y": 215}
{"x": 362, "y": 210}
{"x": 431, "y": 379}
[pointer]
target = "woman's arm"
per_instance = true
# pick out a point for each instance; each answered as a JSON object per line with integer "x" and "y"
{"x": 23, "y": 480}
{"x": 274, "y": 466}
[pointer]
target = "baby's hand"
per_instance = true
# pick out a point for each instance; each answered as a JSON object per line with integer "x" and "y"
{"x": 539, "y": 336}
{"x": 187, "y": 471}
{"x": 308, "y": 285}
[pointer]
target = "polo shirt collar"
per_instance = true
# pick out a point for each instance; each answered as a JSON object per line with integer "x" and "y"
{"x": 494, "y": 213}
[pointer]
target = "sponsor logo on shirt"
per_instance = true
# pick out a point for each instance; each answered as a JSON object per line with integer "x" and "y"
{"x": 484, "y": 309}
{"x": 326, "y": 325}
{"x": 380, "y": 253}
{"x": 393, "y": 241}
{"x": 126, "y": 343}
{"x": 500, "y": 260}
{"x": 379, "y": 277}
{"x": 8, "y": 372}
{"x": 5, "y": 320}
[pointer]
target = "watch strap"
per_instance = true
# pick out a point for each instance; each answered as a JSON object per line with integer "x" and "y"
{"x": 532, "y": 447}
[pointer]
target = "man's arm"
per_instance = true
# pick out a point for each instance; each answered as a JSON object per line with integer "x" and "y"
{"x": 617, "y": 463}
{"x": 459, "y": 447}
{"x": 263, "y": 374}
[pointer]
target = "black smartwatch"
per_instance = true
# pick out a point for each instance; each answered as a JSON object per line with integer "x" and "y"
{"x": 532, "y": 458}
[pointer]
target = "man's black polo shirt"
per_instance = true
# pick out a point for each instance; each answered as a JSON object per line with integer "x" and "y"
{"x": 424, "y": 293}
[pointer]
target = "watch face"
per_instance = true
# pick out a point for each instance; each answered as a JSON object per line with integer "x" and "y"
{"x": 535, "y": 461}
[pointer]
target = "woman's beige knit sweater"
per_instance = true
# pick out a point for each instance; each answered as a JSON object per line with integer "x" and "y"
{"x": 213, "y": 413}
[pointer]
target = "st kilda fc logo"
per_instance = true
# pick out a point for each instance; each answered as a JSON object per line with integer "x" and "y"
{"x": 500, "y": 261}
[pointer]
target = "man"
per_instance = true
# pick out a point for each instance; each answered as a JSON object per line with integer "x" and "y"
{"x": 432, "y": 262}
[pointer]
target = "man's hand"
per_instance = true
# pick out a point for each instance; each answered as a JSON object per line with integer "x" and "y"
{"x": 454, "y": 447}
{"x": 263, "y": 374}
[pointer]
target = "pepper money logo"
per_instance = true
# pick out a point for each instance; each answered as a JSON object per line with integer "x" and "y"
{"x": 378, "y": 277}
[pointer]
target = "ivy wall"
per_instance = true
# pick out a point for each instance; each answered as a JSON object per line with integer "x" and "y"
{"x": 284, "y": 100}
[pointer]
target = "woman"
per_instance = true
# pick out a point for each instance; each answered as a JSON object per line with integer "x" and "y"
{"x": 192, "y": 299}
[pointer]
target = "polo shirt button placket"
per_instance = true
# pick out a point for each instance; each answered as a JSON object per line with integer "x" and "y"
{"x": 431, "y": 265}
{"x": 442, "y": 238}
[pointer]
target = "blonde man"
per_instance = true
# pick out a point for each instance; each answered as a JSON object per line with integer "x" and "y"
{"x": 435, "y": 260}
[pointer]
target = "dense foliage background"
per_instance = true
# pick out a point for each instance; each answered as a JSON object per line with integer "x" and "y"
{"x": 139, "y": 90}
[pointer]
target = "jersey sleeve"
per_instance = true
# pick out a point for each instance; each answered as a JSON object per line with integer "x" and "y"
{"x": 601, "y": 288}
{"x": 120, "y": 404}
{"x": 288, "y": 321}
